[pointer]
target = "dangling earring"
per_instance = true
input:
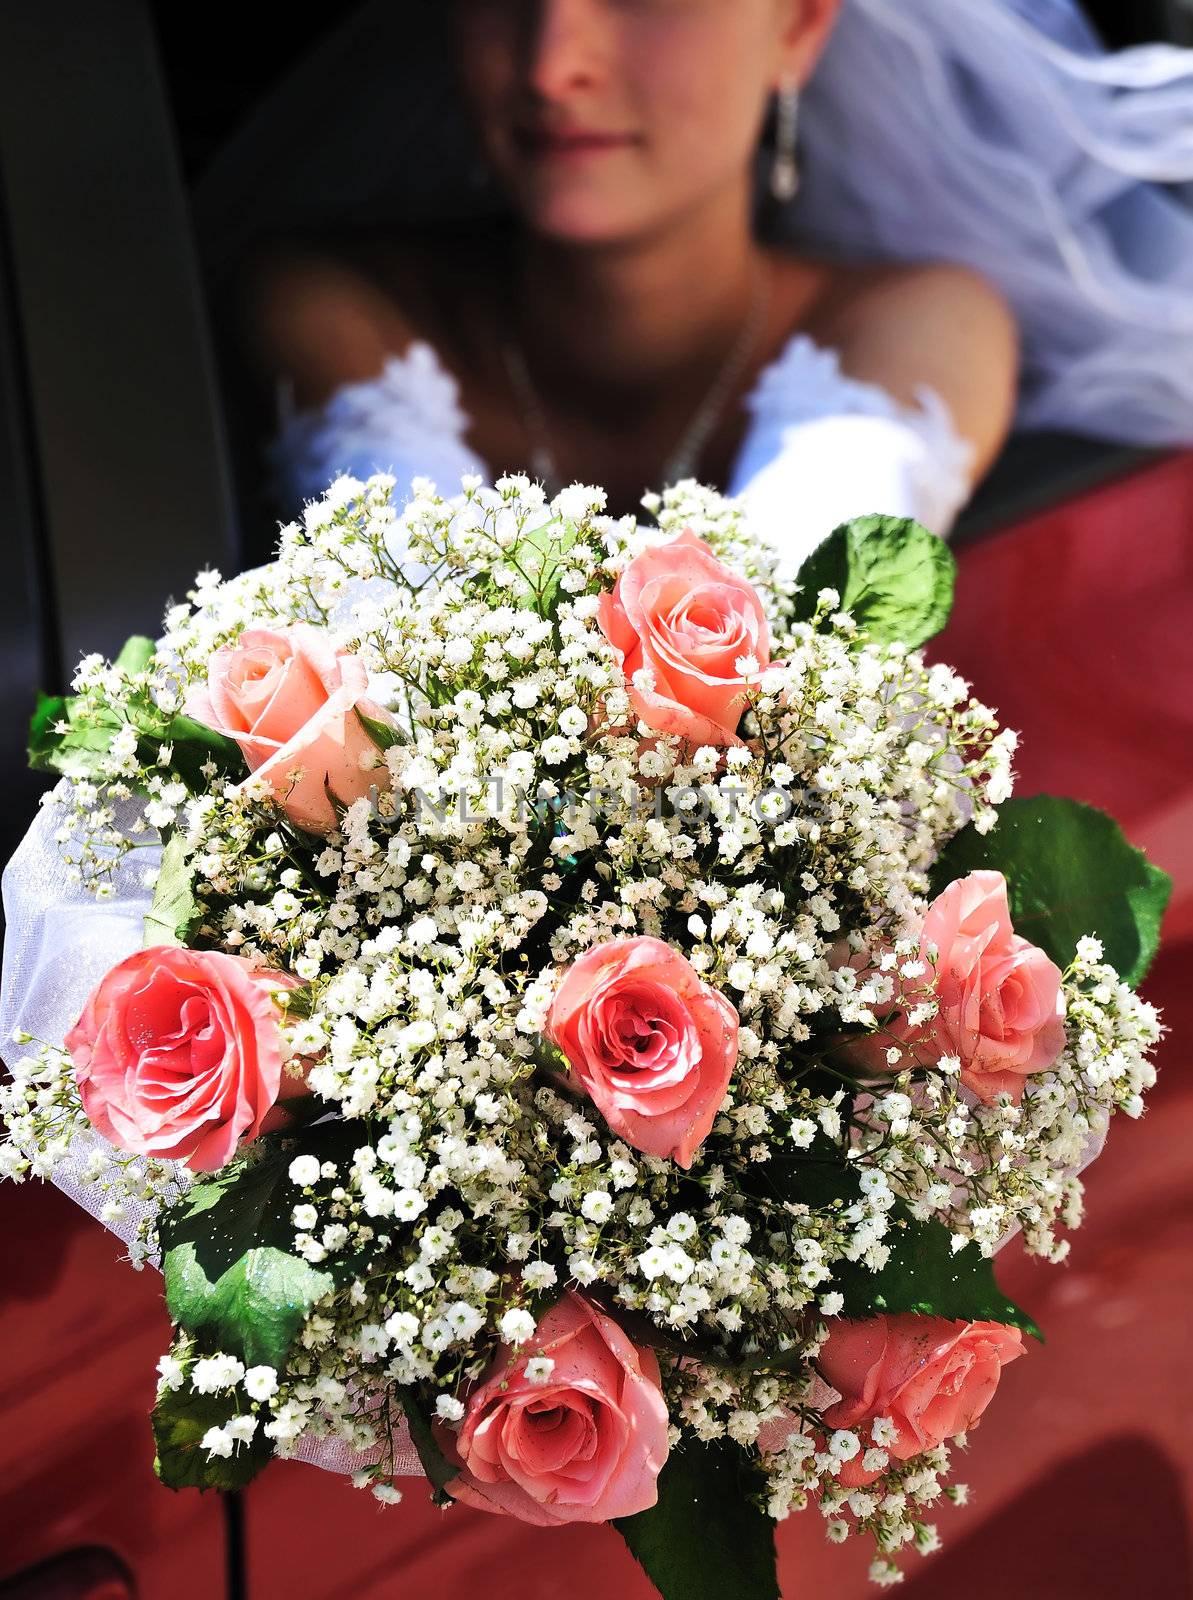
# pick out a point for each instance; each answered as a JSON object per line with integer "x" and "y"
{"x": 784, "y": 172}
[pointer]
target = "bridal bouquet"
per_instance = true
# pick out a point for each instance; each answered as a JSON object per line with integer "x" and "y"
{"x": 598, "y": 1016}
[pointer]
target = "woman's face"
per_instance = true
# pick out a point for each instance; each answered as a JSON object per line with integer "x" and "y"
{"x": 606, "y": 119}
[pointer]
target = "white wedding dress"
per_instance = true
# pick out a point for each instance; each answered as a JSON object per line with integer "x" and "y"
{"x": 819, "y": 447}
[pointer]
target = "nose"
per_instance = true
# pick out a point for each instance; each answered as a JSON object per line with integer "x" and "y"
{"x": 565, "y": 48}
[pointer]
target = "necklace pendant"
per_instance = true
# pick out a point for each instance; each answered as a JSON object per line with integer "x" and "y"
{"x": 685, "y": 460}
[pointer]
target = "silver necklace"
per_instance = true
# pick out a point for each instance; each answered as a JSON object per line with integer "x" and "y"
{"x": 683, "y": 460}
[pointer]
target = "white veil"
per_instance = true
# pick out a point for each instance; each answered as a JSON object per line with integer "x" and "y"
{"x": 993, "y": 132}
{"x": 1000, "y": 134}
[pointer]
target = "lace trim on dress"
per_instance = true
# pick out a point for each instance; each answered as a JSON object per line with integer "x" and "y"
{"x": 410, "y": 413}
{"x": 805, "y": 381}
{"x": 410, "y": 409}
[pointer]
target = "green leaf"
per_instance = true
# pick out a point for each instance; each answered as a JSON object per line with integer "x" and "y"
{"x": 383, "y": 734}
{"x": 299, "y": 1001}
{"x": 193, "y": 744}
{"x": 50, "y": 708}
{"x": 435, "y": 1464}
{"x": 922, "y": 1273}
{"x": 894, "y": 578}
{"x": 135, "y": 655}
{"x": 706, "y": 1539}
{"x": 819, "y": 1182}
{"x": 924, "y": 1276}
{"x": 180, "y": 1419}
{"x": 175, "y": 913}
{"x": 437, "y": 690}
{"x": 539, "y": 555}
{"x": 1070, "y": 872}
{"x": 77, "y": 750}
{"x": 229, "y": 1269}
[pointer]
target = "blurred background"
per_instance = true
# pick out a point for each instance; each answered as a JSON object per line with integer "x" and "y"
{"x": 130, "y": 457}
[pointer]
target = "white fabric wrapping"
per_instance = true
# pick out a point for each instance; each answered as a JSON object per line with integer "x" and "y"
{"x": 59, "y": 942}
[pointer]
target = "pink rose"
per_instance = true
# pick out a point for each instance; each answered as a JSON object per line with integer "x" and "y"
{"x": 289, "y": 699}
{"x": 678, "y": 611}
{"x": 933, "y": 1378}
{"x": 653, "y": 1045}
{"x": 1000, "y": 1009}
{"x": 178, "y": 1054}
{"x": 585, "y": 1446}
{"x": 1000, "y": 1004}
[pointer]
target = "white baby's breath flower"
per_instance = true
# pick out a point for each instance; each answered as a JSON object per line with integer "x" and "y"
{"x": 212, "y": 1374}
{"x": 304, "y": 1171}
{"x": 217, "y": 1442}
{"x": 516, "y": 1326}
{"x": 171, "y": 1373}
{"x": 261, "y": 1383}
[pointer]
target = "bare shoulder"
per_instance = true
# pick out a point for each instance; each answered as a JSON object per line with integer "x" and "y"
{"x": 308, "y": 315}
{"x": 940, "y": 325}
{"x": 327, "y": 313}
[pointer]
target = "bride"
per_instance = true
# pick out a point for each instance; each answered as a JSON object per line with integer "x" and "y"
{"x": 633, "y": 320}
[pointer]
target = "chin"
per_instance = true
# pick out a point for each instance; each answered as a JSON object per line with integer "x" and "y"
{"x": 587, "y": 231}
{"x": 578, "y": 212}
{"x": 582, "y": 222}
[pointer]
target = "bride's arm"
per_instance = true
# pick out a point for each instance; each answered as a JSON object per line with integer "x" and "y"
{"x": 944, "y": 328}
{"x": 309, "y": 319}
{"x": 917, "y": 404}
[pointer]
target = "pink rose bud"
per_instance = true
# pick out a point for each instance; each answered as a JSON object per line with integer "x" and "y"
{"x": 289, "y": 698}
{"x": 678, "y": 611}
{"x": 179, "y": 1055}
{"x": 652, "y": 1044}
{"x": 930, "y": 1377}
{"x": 585, "y": 1444}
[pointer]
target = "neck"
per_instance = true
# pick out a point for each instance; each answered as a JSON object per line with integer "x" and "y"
{"x": 636, "y": 314}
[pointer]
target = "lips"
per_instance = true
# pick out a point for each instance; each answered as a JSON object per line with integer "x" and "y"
{"x": 542, "y": 141}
